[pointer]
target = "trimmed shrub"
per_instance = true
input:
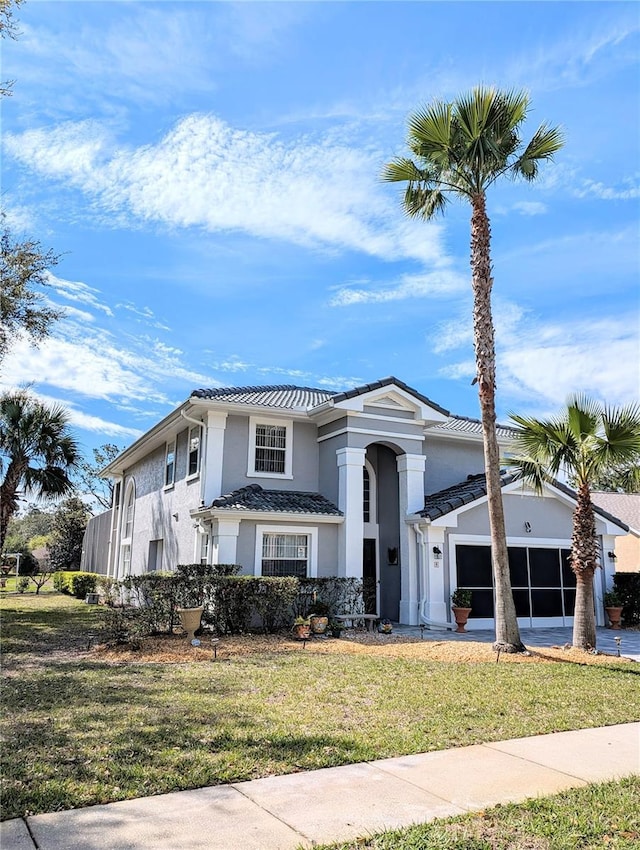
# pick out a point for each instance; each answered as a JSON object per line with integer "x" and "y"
{"x": 83, "y": 583}
{"x": 340, "y": 595}
{"x": 627, "y": 586}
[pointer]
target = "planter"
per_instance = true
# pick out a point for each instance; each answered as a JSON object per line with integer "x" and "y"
{"x": 319, "y": 624}
{"x": 614, "y": 613}
{"x": 461, "y": 615}
{"x": 301, "y": 631}
{"x": 190, "y": 620}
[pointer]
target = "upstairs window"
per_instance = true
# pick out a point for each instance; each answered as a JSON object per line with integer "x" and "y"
{"x": 193, "y": 460}
{"x": 170, "y": 464}
{"x": 270, "y": 448}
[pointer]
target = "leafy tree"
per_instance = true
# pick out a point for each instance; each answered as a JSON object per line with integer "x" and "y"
{"x": 69, "y": 524}
{"x": 23, "y": 530}
{"x": 88, "y": 477}
{"x": 23, "y": 307}
{"x": 42, "y": 577}
{"x": 621, "y": 479}
{"x": 460, "y": 150}
{"x": 8, "y": 29}
{"x": 38, "y": 453}
{"x": 585, "y": 440}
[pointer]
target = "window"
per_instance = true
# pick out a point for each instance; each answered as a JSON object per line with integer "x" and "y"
{"x": 128, "y": 514}
{"x": 127, "y": 529}
{"x": 285, "y": 554}
{"x": 366, "y": 495}
{"x": 204, "y": 548}
{"x": 154, "y": 562}
{"x": 126, "y": 560}
{"x": 270, "y": 448}
{"x": 193, "y": 460}
{"x": 170, "y": 464}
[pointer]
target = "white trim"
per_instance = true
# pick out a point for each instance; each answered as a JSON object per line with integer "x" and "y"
{"x": 312, "y": 549}
{"x": 167, "y": 485}
{"x": 394, "y": 435}
{"x": 287, "y": 424}
{"x": 373, "y": 498}
{"x": 126, "y": 541}
{"x": 193, "y": 475}
{"x": 270, "y": 516}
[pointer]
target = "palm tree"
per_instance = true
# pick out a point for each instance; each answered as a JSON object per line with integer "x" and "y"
{"x": 37, "y": 452}
{"x": 460, "y": 150}
{"x": 585, "y": 441}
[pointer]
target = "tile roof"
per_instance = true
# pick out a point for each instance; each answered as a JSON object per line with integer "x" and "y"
{"x": 444, "y": 501}
{"x": 466, "y": 425}
{"x": 385, "y": 382}
{"x": 254, "y": 498}
{"x": 475, "y": 487}
{"x": 285, "y": 396}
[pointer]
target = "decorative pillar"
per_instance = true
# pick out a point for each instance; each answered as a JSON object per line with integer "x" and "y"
{"x": 437, "y": 607}
{"x": 350, "y": 495}
{"x": 214, "y": 450}
{"x": 411, "y": 497}
{"x": 224, "y": 542}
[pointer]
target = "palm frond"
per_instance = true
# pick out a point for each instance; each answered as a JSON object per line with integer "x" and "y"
{"x": 401, "y": 170}
{"x": 545, "y": 142}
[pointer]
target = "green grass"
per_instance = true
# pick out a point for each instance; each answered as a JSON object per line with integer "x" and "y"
{"x": 590, "y": 818}
{"x": 79, "y": 732}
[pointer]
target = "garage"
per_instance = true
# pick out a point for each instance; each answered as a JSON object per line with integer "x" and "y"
{"x": 541, "y": 578}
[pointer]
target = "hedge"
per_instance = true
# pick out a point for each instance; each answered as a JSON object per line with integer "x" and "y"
{"x": 75, "y": 582}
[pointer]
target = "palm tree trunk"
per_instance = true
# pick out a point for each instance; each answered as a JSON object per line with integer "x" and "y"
{"x": 506, "y": 623}
{"x": 584, "y": 561}
{"x": 9, "y": 498}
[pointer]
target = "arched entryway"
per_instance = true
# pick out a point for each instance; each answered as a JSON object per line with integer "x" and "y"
{"x": 381, "y": 561}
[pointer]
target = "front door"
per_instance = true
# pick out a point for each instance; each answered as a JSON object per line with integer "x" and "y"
{"x": 370, "y": 576}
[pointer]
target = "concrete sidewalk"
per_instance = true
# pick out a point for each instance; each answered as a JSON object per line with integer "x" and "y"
{"x": 339, "y": 803}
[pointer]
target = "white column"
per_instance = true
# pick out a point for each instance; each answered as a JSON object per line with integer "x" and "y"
{"x": 214, "y": 450}
{"x": 224, "y": 542}
{"x": 603, "y": 581}
{"x": 411, "y": 492}
{"x": 350, "y": 495}
{"x": 437, "y": 607}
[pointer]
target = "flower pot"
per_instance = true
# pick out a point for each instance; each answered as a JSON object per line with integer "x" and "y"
{"x": 461, "y": 615}
{"x": 614, "y": 613}
{"x": 190, "y": 620}
{"x": 319, "y": 624}
{"x": 301, "y": 631}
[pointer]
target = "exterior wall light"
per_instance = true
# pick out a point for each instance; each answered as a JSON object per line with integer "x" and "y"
{"x": 612, "y": 556}
{"x": 527, "y": 527}
{"x": 437, "y": 551}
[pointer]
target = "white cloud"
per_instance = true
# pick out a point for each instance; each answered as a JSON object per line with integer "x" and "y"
{"x": 77, "y": 291}
{"x": 438, "y": 283}
{"x": 530, "y": 207}
{"x": 205, "y": 173}
{"x": 595, "y": 189}
{"x": 144, "y": 314}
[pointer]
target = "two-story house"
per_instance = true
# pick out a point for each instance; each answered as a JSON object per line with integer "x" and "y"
{"x": 377, "y": 482}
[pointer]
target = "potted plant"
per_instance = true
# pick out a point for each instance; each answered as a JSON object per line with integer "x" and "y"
{"x": 385, "y": 627}
{"x": 301, "y": 628}
{"x": 336, "y": 627}
{"x": 319, "y": 617}
{"x": 613, "y": 606}
{"x": 461, "y": 607}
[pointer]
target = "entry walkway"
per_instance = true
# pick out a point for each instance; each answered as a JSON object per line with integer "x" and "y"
{"x": 339, "y": 803}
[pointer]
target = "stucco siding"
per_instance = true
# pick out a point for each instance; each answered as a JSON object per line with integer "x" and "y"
{"x": 547, "y": 517}
{"x": 450, "y": 461}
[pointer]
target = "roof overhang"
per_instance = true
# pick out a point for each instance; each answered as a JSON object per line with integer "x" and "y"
{"x": 205, "y": 514}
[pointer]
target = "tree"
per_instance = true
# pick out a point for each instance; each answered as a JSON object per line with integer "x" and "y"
{"x": 88, "y": 477}
{"x": 37, "y": 452}
{"x": 69, "y": 524}
{"x": 585, "y": 441}
{"x": 8, "y": 29}
{"x": 460, "y": 150}
{"x": 621, "y": 479}
{"x": 23, "y": 272}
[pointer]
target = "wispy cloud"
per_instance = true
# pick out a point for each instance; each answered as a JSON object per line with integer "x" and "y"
{"x": 629, "y": 190}
{"x": 205, "y": 173}
{"x": 144, "y": 315}
{"x": 439, "y": 283}
{"x": 72, "y": 290}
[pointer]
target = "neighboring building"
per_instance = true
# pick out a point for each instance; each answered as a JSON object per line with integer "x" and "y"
{"x": 626, "y": 549}
{"x": 289, "y": 480}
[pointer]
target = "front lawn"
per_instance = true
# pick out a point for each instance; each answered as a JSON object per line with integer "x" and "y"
{"x": 598, "y": 816}
{"x": 78, "y": 730}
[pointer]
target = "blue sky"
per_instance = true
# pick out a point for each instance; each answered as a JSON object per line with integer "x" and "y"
{"x": 210, "y": 173}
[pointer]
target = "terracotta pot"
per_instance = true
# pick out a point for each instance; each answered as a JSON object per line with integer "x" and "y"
{"x": 301, "y": 631}
{"x": 615, "y": 615}
{"x": 319, "y": 624}
{"x": 461, "y": 615}
{"x": 190, "y": 620}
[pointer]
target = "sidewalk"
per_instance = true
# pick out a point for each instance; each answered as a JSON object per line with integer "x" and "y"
{"x": 339, "y": 803}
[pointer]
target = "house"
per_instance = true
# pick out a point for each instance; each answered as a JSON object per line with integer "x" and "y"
{"x": 378, "y": 482}
{"x": 626, "y": 549}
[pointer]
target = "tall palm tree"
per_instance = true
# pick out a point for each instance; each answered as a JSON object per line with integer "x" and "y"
{"x": 460, "y": 150}
{"x": 37, "y": 452}
{"x": 584, "y": 441}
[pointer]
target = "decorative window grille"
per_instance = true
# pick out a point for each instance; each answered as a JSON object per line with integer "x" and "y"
{"x": 285, "y": 554}
{"x": 170, "y": 464}
{"x": 193, "y": 465}
{"x": 271, "y": 448}
{"x": 366, "y": 495}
